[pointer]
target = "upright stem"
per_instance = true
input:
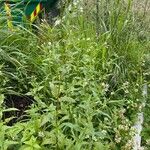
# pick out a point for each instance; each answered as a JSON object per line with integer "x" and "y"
{"x": 145, "y": 8}
{"x": 97, "y": 18}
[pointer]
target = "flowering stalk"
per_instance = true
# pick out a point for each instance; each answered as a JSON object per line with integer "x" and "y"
{"x": 97, "y": 18}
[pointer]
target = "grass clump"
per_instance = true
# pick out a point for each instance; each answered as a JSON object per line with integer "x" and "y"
{"x": 85, "y": 79}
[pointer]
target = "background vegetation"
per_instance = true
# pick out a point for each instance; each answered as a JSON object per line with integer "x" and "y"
{"x": 84, "y": 76}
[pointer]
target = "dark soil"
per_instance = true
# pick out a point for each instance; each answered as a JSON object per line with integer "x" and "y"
{"x": 22, "y": 103}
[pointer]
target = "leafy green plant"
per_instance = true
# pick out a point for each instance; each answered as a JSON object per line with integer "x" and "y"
{"x": 86, "y": 87}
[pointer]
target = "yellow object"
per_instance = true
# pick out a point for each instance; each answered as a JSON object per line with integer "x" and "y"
{"x": 36, "y": 12}
{"x": 9, "y": 17}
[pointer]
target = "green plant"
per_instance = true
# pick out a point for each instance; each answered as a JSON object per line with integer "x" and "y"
{"x": 86, "y": 87}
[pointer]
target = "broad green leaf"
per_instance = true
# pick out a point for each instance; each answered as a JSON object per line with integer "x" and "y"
{"x": 54, "y": 89}
{"x": 44, "y": 119}
{"x": 67, "y": 99}
{"x": 47, "y": 141}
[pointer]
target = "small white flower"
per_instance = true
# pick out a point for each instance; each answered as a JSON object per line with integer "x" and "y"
{"x": 126, "y": 91}
{"x": 57, "y": 22}
{"x": 103, "y": 84}
{"x": 94, "y": 138}
{"x": 87, "y": 136}
{"x": 106, "y": 119}
{"x": 112, "y": 93}
{"x": 49, "y": 43}
{"x": 75, "y": 3}
{"x": 81, "y": 9}
{"x": 41, "y": 134}
{"x": 121, "y": 127}
{"x": 70, "y": 7}
{"x": 126, "y": 84}
{"x": 104, "y": 132}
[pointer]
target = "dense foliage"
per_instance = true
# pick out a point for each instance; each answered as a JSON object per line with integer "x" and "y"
{"x": 84, "y": 77}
